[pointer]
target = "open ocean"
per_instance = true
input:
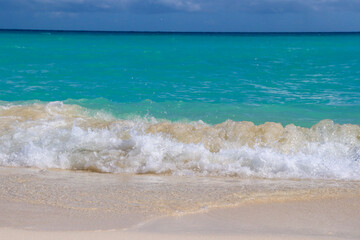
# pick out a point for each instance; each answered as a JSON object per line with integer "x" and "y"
{"x": 242, "y": 105}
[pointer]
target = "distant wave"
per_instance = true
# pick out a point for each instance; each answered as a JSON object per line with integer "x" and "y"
{"x": 57, "y": 135}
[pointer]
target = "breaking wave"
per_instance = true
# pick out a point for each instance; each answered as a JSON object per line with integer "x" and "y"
{"x": 57, "y": 135}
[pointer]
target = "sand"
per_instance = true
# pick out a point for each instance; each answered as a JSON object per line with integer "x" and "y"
{"x": 37, "y": 204}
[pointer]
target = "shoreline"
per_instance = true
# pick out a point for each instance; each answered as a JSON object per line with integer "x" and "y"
{"x": 335, "y": 218}
{"x": 43, "y": 204}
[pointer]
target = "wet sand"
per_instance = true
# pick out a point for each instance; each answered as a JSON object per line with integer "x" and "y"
{"x": 37, "y": 204}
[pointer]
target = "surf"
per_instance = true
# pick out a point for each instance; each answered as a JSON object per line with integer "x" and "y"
{"x": 71, "y": 137}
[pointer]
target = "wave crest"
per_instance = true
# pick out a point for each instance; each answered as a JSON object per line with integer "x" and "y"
{"x": 57, "y": 135}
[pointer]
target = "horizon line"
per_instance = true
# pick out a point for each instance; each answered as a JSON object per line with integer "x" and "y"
{"x": 177, "y": 32}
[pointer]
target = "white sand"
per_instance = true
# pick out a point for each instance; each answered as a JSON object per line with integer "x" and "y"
{"x": 337, "y": 218}
{"x": 67, "y": 205}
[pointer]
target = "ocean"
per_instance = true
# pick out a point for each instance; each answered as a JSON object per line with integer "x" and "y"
{"x": 190, "y": 104}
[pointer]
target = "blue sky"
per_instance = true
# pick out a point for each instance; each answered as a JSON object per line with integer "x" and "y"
{"x": 182, "y": 15}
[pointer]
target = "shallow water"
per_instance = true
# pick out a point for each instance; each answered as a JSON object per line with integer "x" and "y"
{"x": 287, "y": 78}
{"x": 152, "y": 196}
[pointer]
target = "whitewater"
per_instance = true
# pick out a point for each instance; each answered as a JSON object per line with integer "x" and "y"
{"x": 63, "y": 136}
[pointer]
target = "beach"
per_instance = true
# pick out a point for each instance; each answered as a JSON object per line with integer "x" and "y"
{"x": 52, "y": 204}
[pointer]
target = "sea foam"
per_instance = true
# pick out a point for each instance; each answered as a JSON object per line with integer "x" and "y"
{"x": 57, "y": 135}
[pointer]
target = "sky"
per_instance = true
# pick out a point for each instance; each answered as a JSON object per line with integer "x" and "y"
{"x": 182, "y": 15}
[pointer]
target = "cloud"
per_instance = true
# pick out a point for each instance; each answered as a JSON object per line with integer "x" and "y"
{"x": 286, "y": 6}
{"x": 147, "y": 6}
{"x": 164, "y": 6}
{"x": 181, "y": 5}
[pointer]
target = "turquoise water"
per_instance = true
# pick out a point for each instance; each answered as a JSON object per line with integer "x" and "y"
{"x": 286, "y": 78}
{"x": 182, "y": 104}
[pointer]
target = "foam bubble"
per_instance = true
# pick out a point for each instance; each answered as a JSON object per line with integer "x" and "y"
{"x": 57, "y": 135}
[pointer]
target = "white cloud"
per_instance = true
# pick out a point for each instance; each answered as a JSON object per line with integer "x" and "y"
{"x": 181, "y": 4}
